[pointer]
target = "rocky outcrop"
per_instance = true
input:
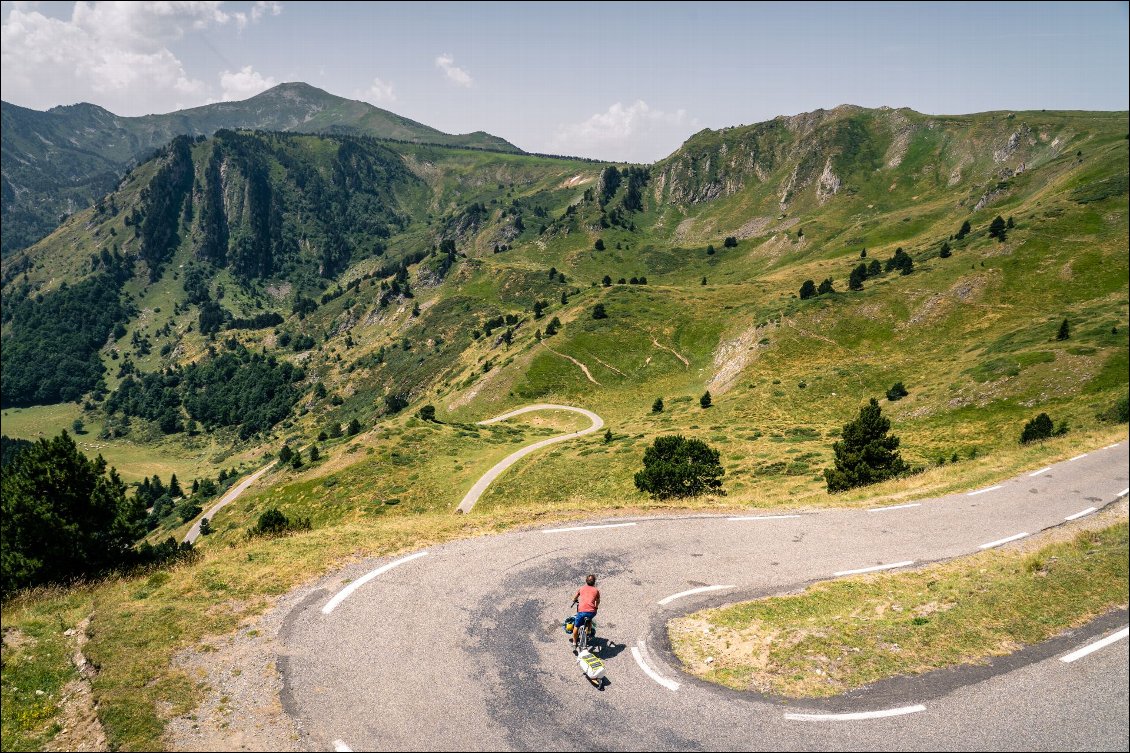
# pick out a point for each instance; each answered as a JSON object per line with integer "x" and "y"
{"x": 828, "y": 185}
{"x": 1019, "y": 138}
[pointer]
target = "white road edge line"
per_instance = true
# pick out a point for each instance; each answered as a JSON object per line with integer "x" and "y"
{"x": 982, "y": 491}
{"x": 1037, "y": 473}
{"x": 876, "y": 568}
{"x": 894, "y": 507}
{"x": 1124, "y": 492}
{"x": 587, "y": 528}
{"x": 344, "y": 593}
{"x": 669, "y": 684}
{"x": 762, "y": 517}
{"x": 1081, "y": 513}
{"x": 339, "y": 745}
{"x": 692, "y": 592}
{"x": 991, "y": 544}
{"x": 1095, "y": 646}
{"x": 1112, "y": 446}
{"x": 1078, "y": 457}
{"x": 855, "y": 717}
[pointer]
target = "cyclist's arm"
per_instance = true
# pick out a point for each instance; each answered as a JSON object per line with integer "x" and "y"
{"x": 576, "y": 597}
{"x": 596, "y": 600}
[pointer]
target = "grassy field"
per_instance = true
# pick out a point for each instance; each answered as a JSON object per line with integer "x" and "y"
{"x": 845, "y": 634}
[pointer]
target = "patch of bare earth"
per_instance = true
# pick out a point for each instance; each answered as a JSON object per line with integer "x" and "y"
{"x": 241, "y": 708}
{"x": 732, "y": 356}
{"x": 80, "y": 728}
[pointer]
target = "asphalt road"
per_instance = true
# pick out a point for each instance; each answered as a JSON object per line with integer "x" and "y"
{"x": 460, "y": 648}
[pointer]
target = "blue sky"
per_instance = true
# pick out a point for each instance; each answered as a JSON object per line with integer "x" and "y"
{"x": 615, "y": 81}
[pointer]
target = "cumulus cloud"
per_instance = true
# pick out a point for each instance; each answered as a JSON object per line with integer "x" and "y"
{"x": 115, "y": 53}
{"x": 244, "y": 83}
{"x": 379, "y": 93}
{"x": 455, "y": 74}
{"x": 635, "y": 133}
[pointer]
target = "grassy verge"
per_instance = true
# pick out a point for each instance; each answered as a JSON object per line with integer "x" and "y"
{"x": 844, "y": 634}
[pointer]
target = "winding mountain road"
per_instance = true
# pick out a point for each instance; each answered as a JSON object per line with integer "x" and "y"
{"x": 459, "y": 647}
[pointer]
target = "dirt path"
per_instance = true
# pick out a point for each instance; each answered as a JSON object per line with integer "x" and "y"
{"x": 574, "y": 360}
{"x": 481, "y": 485}
{"x": 677, "y": 354}
{"x": 610, "y": 367}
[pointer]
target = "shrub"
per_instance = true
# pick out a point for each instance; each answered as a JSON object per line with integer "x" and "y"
{"x": 1119, "y": 413}
{"x": 205, "y": 527}
{"x": 599, "y": 245}
{"x": 678, "y": 467}
{"x": 608, "y": 436}
{"x": 1064, "y": 331}
{"x": 598, "y": 312}
{"x": 354, "y": 427}
{"x": 897, "y": 392}
{"x": 705, "y": 400}
{"x": 866, "y": 454}
{"x": 1036, "y": 430}
{"x": 825, "y": 287}
{"x": 730, "y": 242}
{"x": 274, "y": 523}
{"x": 657, "y": 406}
{"x": 807, "y": 290}
{"x": 427, "y": 413}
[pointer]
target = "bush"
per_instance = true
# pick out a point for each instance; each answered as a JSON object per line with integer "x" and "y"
{"x": 598, "y": 312}
{"x": 866, "y": 454}
{"x": 1064, "y": 331}
{"x": 427, "y": 413}
{"x": 1037, "y": 430}
{"x": 807, "y": 290}
{"x": 599, "y": 245}
{"x": 205, "y": 527}
{"x": 705, "y": 400}
{"x": 274, "y": 523}
{"x": 730, "y": 242}
{"x": 897, "y": 392}
{"x": 657, "y": 406}
{"x": 1119, "y": 413}
{"x": 678, "y": 467}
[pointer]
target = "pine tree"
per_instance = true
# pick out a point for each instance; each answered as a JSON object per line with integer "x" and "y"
{"x": 607, "y": 281}
{"x": 945, "y": 253}
{"x": 598, "y": 312}
{"x": 1064, "y": 331}
{"x": 314, "y": 453}
{"x": 998, "y": 229}
{"x": 858, "y": 275}
{"x": 865, "y": 454}
{"x": 657, "y": 406}
{"x": 807, "y": 290}
{"x": 678, "y": 467}
{"x": 705, "y": 401}
{"x": 174, "y": 487}
{"x": 825, "y": 287}
{"x": 1038, "y": 429}
{"x": 354, "y": 427}
{"x": 966, "y": 229}
{"x": 599, "y": 245}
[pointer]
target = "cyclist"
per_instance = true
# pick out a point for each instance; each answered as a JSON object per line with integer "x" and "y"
{"x": 587, "y": 600}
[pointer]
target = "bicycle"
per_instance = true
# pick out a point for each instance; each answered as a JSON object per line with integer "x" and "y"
{"x": 591, "y": 665}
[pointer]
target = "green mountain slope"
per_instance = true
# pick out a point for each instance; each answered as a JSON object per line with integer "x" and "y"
{"x": 59, "y": 161}
{"x": 395, "y": 275}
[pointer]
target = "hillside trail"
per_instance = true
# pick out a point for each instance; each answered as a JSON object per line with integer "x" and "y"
{"x": 227, "y": 499}
{"x": 574, "y": 360}
{"x": 677, "y": 354}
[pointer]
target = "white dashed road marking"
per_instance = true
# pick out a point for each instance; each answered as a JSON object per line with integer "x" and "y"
{"x": 638, "y": 656}
{"x": 991, "y": 544}
{"x": 692, "y": 592}
{"x": 982, "y": 491}
{"x": 587, "y": 528}
{"x": 876, "y": 568}
{"x": 855, "y": 717}
{"x": 762, "y": 517}
{"x": 344, "y": 593}
{"x": 342, "y": 747}
{"x": 1078, "y": 457}
{"x": 1037, "y": 473}
{"x": 1095, "y": 646}
{"x": 1124, "y": 492}
{"x": 1080, "y": 514}
{"x": 895, "y": 507}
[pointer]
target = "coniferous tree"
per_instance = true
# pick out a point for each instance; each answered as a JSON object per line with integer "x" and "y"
{"x": 598, "y": 312}
{"x": 606, "y": 282}
{"x": 965, "y": 230}
{"x": 825, "y": 287}
{"x": 657, "y": 406}
{"x": 599, "y": 245}
{"x": 858, "y": 275}
{"x": 945, "y": 253}
{"x": 1064, "y": 331}
{"x": 807, "y": 290}
{"x": 354, "y": 427}
{"x": 705, "y": 401}
{"x": 1038, "y": 429}
{"x": 998, "y": 229}
{"x": 678, "y": 467}
{"x": 866, "y": 454}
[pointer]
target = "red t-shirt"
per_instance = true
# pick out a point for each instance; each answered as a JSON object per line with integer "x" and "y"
{"x": 587, "y": 598}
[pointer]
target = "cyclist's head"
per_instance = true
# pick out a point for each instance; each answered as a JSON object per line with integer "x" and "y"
{"x": 590, "y": 580}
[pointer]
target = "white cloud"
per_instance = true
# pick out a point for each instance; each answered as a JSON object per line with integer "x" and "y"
{"x": 380, "y": 92}
{"x": 636, "y": 133}
{"x": 455, "y": 74}
{"x": 116, "y": 53}
{"x": 244, "y": 83}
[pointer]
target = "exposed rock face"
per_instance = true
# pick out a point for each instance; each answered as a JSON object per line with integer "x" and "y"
{"x": 828, "y": 185}
{"x": 1019, "y": 138}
